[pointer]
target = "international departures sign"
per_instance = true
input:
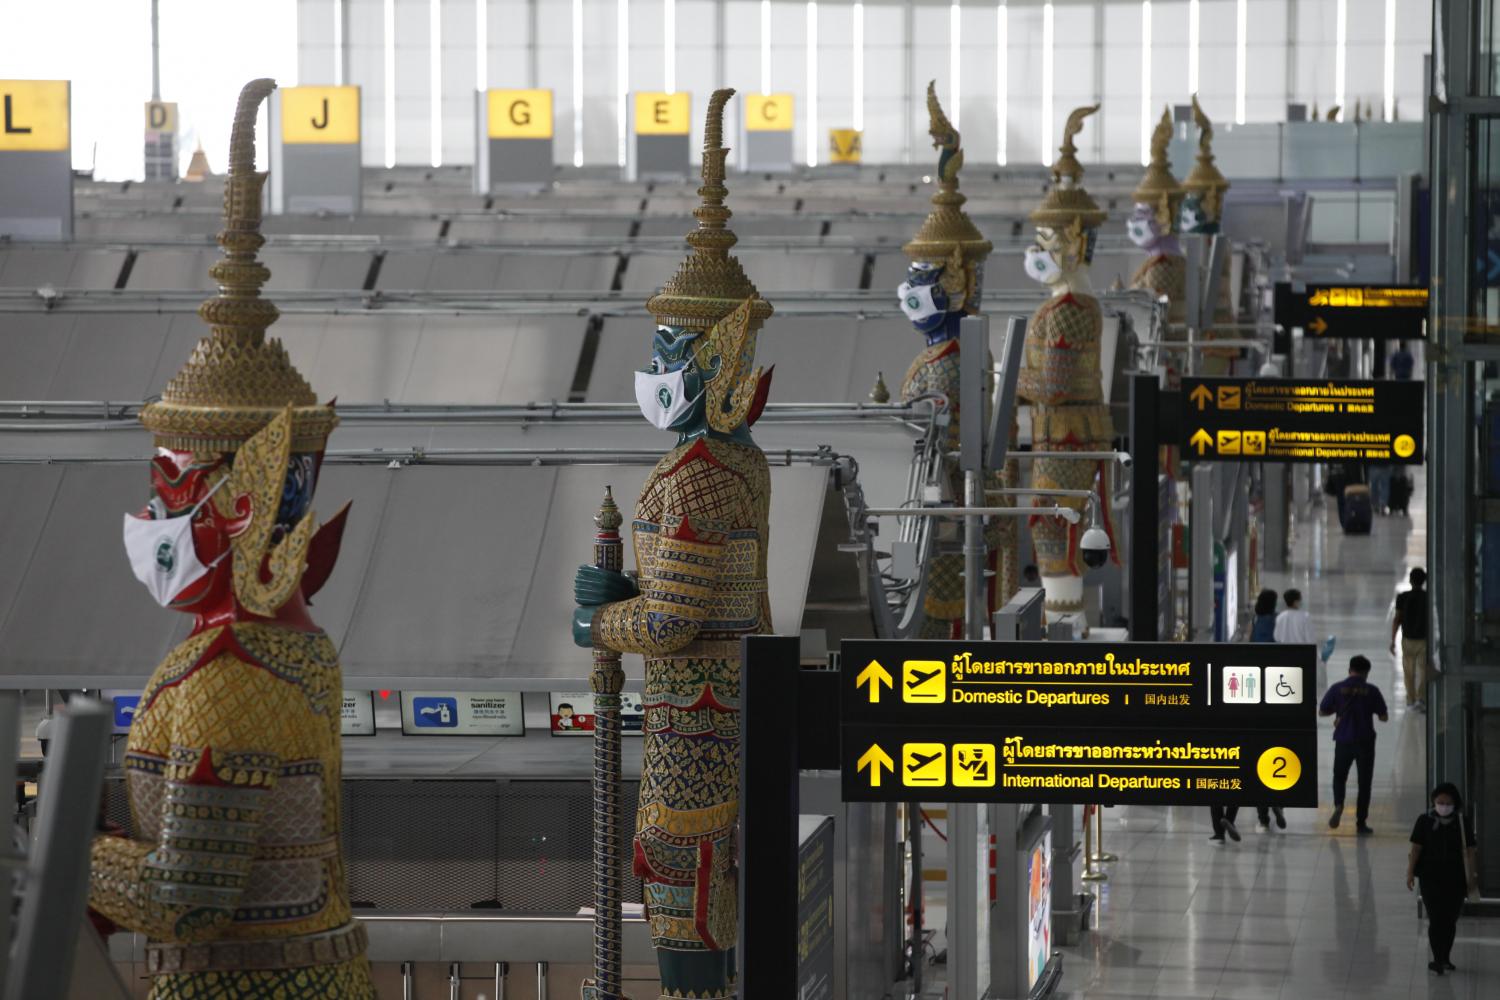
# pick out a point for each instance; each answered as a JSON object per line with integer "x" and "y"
{"x": 1300, "y": 420}
{"x": 1164, "y": 723}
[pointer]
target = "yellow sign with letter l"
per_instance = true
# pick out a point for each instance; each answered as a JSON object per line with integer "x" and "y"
{"x": 769, "y": 112}
{"x": 663, "y": 114}
{"x": 319, "y": 115}
{"x": 34, "y": 115}
{"x": 520, "y": 114}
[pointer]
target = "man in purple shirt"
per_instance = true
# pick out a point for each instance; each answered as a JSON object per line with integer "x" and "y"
{"x": 1356, "y": 704}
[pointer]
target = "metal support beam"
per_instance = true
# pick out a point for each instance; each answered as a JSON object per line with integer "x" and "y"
{"x": 1145, "y": 393}
{"x": 1201, "y": 575}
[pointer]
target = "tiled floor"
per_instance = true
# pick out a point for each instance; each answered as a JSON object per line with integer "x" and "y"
{"x": 1307, "y": 913}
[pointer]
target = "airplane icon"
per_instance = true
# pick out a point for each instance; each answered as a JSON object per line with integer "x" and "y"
{"x": 919, "y": 677}
{"x": 919, "y": 761}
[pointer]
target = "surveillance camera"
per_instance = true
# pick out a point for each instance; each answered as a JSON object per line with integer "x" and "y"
{"x": 1271, "y": 369}
{"x": 1125, "y": 460}
{"x": 1095, "y": 547}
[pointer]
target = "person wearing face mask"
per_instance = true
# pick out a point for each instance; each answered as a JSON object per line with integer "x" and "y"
{"x": 942, "y": 286}
{"x": 1060, "y": 370}
{"x": 700, "y": 531}
{"x": 1442, "y": 861}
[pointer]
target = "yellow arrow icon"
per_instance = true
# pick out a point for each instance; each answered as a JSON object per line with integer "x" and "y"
{"x": 1201, "y": 396}
{"x": 1318, "y": 326}
{"x": 1201, "y": 440}
{"x": 874, "y": 759}
{"x": 874, "y": 675}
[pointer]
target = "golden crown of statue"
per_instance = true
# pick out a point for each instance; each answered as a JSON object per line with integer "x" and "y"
{"x": 709, "y": 284}
{"x": 1205, "y": 180}
{"x": 947, "y": 231}
{"x": 236, "y": 381}
{"x": 1067, "y": 205}
{"x": 1158, "y": 188}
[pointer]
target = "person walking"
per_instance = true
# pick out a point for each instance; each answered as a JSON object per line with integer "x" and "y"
{"x": 1355, "y": 704}
{"x": 1263, "y": 629}
{"x": 1223, "y": 820}
{"x": 1411, "y": 622}
{"x": 1294, "y": 625}
{"x": 1442, "y": 860}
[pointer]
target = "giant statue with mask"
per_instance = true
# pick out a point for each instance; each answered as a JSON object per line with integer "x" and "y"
{"x": 1202, "y": 213}
{"x": 233, "y": 870}
{"x": 700, "y": 532}
{"x": 943, "y": 284}
{"x": 1153, "y": 227}
{"x": 1060, "y": 369}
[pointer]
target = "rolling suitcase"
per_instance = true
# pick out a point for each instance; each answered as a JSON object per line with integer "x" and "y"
{"x": 1356, "y": 513}
{"x": 1400, "y": 492}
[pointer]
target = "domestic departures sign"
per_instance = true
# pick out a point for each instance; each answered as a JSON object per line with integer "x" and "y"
{"x": 1296, "y": 420}
{"x": 1164, "y": 723}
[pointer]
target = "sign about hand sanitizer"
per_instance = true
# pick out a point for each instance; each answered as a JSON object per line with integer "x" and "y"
{"x": 453, "y": 713}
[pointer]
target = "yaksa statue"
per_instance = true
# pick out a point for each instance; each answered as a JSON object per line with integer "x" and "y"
{"x": 233, "y": 871}
{"x": 1060, "y": 370}
{"x": 1201, "y": 215}
{"x": 700, "y": 530}
{"x": 944, "y": 283}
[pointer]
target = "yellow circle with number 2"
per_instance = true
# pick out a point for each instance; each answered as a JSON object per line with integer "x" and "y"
{"x": 1278, "y": 769}
{"x": 1405, "y": 445}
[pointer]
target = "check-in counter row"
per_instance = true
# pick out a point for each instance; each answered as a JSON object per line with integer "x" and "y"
{"x": 837, "y": 266}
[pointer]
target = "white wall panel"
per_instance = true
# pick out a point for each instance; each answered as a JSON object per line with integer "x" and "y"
{"x": 895, "y": 74}
{"x": 893, "y": 114}
{"x": 1121, "y": 120}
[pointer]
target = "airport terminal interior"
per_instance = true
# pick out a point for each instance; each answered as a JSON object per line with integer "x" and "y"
{"x": 601, "y": 499}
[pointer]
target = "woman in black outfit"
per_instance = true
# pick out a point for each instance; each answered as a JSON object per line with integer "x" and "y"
{"x": 1442, "y": 860}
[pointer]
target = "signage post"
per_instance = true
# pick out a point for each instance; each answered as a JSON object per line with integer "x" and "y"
{"x": 1126, "y": 723}
{"x": 1297, "y": 420}
{"x": 36, "y": 159}
{"x": 514, "y": 140}
{"x": 315, "y": 150}
{"x": 161, "y": 140}
{"x": 767, "y": 133}
{"x": 661, "y": 125}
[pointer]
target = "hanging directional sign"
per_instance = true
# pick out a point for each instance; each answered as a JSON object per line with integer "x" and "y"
{"x": 1168, "y": 723}
{"x": 1378, "y": 312}
{"x": 1295, "y": 420}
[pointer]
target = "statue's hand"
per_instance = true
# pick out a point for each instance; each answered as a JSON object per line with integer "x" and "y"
{"x": 594, "y": 586}
{"x": 583, "y": 627}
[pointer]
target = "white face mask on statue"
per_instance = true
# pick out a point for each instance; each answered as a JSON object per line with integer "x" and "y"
{"x": 662, "y": 397}
{"x": 1140, "y": 232}
{"x": 916, "y": 301}
{"x": 1042, "y": 266}
{"x": 161, "y": 551}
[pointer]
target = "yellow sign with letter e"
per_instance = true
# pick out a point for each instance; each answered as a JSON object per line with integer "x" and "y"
{"x": 663, "y": 114}
{"x": 34, "y": 115}
{"x": 769, "y": 112}
{"x": 319, "y": 115}
{"x": 519, "y": 114}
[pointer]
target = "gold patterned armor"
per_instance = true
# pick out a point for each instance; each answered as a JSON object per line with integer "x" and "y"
{"x": 700, "y": 530}
{"x": 1060, "y": 369}
{"x": 947, "y": 255}
{"x": 233, "y": 869}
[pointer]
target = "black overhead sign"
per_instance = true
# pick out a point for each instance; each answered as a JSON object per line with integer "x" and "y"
{"x": 1165, "y": 723}
{"x": 1299, "y": 420}
{"x": 1378, "y": 312}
